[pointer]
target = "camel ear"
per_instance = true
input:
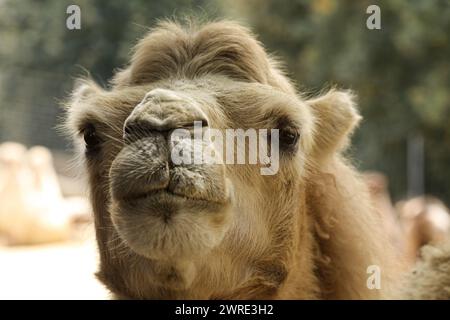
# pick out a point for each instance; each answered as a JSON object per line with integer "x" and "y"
{"x": 336, "y": 118}
{"x": 78, "y": 105}
{"x": 83, "y": 89}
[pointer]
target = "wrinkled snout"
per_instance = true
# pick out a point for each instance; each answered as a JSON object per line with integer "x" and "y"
{"x": 162, "y": 111}
{"x": 161, "y": 207}
{"x": 146, "y": 163}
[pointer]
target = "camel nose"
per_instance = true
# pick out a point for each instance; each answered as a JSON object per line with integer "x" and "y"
{"x": 161, "y": 111}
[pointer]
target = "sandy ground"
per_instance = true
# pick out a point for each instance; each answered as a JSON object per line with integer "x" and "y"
{"x": 53, "y": 271}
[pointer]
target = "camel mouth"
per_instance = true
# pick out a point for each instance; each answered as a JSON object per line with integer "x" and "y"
{"x": 165, "y": 204}
{"x": 154, "y": 195}
{"x": 162, "y": 224}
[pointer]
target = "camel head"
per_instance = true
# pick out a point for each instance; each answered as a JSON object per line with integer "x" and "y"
{"x": 170, "y": 228}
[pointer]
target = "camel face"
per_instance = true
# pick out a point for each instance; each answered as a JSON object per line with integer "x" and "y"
{"x": 239, "y": 227}
{"x": 163, "y": 210}
{"x": 182, "y": 216}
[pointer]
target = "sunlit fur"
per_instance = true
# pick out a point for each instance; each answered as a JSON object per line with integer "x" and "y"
{"x": 306, "y": 232}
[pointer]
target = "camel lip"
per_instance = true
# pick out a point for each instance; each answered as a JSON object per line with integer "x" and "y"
{"x": 145, "y": 195}
{"x": 155, "y": 194}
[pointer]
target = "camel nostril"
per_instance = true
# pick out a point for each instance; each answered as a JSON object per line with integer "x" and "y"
{"x": 127, "y": 134}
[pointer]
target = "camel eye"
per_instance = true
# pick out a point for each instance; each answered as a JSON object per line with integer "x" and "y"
{"x": 90, "y": 137}
{"x": 288, "y": 138}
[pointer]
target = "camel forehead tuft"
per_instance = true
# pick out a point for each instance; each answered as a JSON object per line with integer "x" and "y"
{"x": 174, "y": 50}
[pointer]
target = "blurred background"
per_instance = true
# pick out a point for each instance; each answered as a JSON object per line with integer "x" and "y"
{"x": 400, "y": 73}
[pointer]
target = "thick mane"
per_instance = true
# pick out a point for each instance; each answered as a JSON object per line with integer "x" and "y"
{"x": 173, "y": 50}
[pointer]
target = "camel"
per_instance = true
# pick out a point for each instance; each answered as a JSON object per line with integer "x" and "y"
{"x": 430, "y": 278}
{"x": 412, "y": 223}
{"x": 381, "y": 200}
{"x": 426, "y": 224}
{"x": 220, "y": 231}
{"x": 33, "y": 210}
{"x": 425, "y": 220}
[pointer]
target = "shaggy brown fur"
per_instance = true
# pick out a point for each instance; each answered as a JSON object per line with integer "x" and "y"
{"x": 430, "y": 279}
{"x": 307, "y": 232}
